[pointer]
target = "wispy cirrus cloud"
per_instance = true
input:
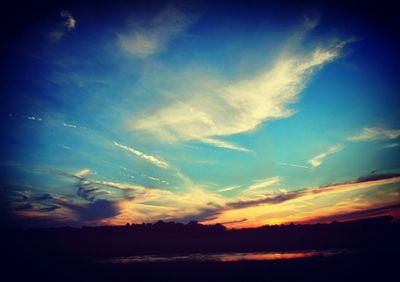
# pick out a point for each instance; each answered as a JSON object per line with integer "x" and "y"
{"x": 148, "y": 38}
{"x": 261, "y": 184}
{"x": 224, "y": 144}
{"x": 153, "y": 160}
{"x": 392, "y": 145}
{"x": 374, "y": 133}
{"x": 82, "y": 172}
{"x": 228, "y": 188}
{"x": 319, "y": 159}
{"x": 294, "y": 165}
{"x": 237, "y": 107}
{"x": 154, "y": 178}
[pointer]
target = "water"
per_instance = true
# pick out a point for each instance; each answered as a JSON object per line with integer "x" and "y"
{"x": 225, "y": 257}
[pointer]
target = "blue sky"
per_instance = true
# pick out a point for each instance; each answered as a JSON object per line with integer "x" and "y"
{"x": 242, "y": 114}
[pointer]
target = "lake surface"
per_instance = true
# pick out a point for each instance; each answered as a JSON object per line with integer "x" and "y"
{"x": 225, "y": 257}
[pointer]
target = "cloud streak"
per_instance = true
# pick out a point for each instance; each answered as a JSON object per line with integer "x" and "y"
{"x": 224, "y": 144}
{"x": 228, "y": 188}
{"x": 261, "y": 184}
{"x": 319, "y": 159}
{"x": 374, "y": 133}
{"x": 362, "y": 182}
{"x": 294, "y": 165}
{"x": 153, "y": 160}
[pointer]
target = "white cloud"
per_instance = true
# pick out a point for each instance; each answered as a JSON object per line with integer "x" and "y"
{"x": 224, "y": 144}
{"x": 393, "y": 145}
{"x": 239, "y": 107}
{"x": 149, "y": 38}
{"x": 294, "y": 165}
{"x": 153, "y": 160}
{"x": 154, "y": 178}
{"x": 83, "y": 172}
{"x": 261, "y": 184}
{"x": 319, "y": 159}
{"x": 228, "y": 188}
{"x": 70, "y": 21}
{"x": 375, "y": 133}
{"x": 34, "y": 118}
{"x": 69, "y": 125}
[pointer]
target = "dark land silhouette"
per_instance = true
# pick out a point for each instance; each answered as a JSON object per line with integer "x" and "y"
{"x": 70, "y": 254}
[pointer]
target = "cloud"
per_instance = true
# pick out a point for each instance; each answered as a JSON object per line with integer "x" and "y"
{"x": 294, "y": 165}
{"x": 50, "y": 208}
{"x": 357, "y": 214}
{"x": 362, "y": 182}
{"x": 68, "y": 24}
{"x": 62, "y": 209}
{"x": 24, "y": 194}
{"x": 319, "y": 159}
{"x": 70, "y": 21}
{"x": 147, "y": 39}
{"x": 154, "y": 178}
{"x": 69, "y": 125}
{"x": 373, "y": 177}
{"x": 224, "y": 144}
{"x": 132, "y": 203}
{"x": 153, "y": 160}
{"x": 209, "y": 212}
{"x": 83, "y": 172}
{"x": 90, "y": 194}
{"x": 97, "y": 210}
{"x": 261, "y": 184}
{"x": 238, "y": 107}
{"x": 393, "y": 145}
{"x": 89, "y": 189}
{"x": 275, "y": 199}
{"x": 228, "y": 188}
{"x": 34, "y": 118}
{"x": 375, "y": 133}
{"x": 138, "y": 203}
{"x": 45, "y": 206}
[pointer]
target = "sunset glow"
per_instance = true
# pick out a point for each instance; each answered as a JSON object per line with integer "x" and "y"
{"x": 238, "y": 114}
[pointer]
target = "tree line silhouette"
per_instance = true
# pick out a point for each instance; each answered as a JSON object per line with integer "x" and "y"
{"x": 379, "y": 233}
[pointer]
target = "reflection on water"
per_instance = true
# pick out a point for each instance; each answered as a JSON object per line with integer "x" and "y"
{"x": 225, "y": 257}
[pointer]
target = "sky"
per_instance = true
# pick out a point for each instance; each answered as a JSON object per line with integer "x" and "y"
{"x": 243, "y": 113}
